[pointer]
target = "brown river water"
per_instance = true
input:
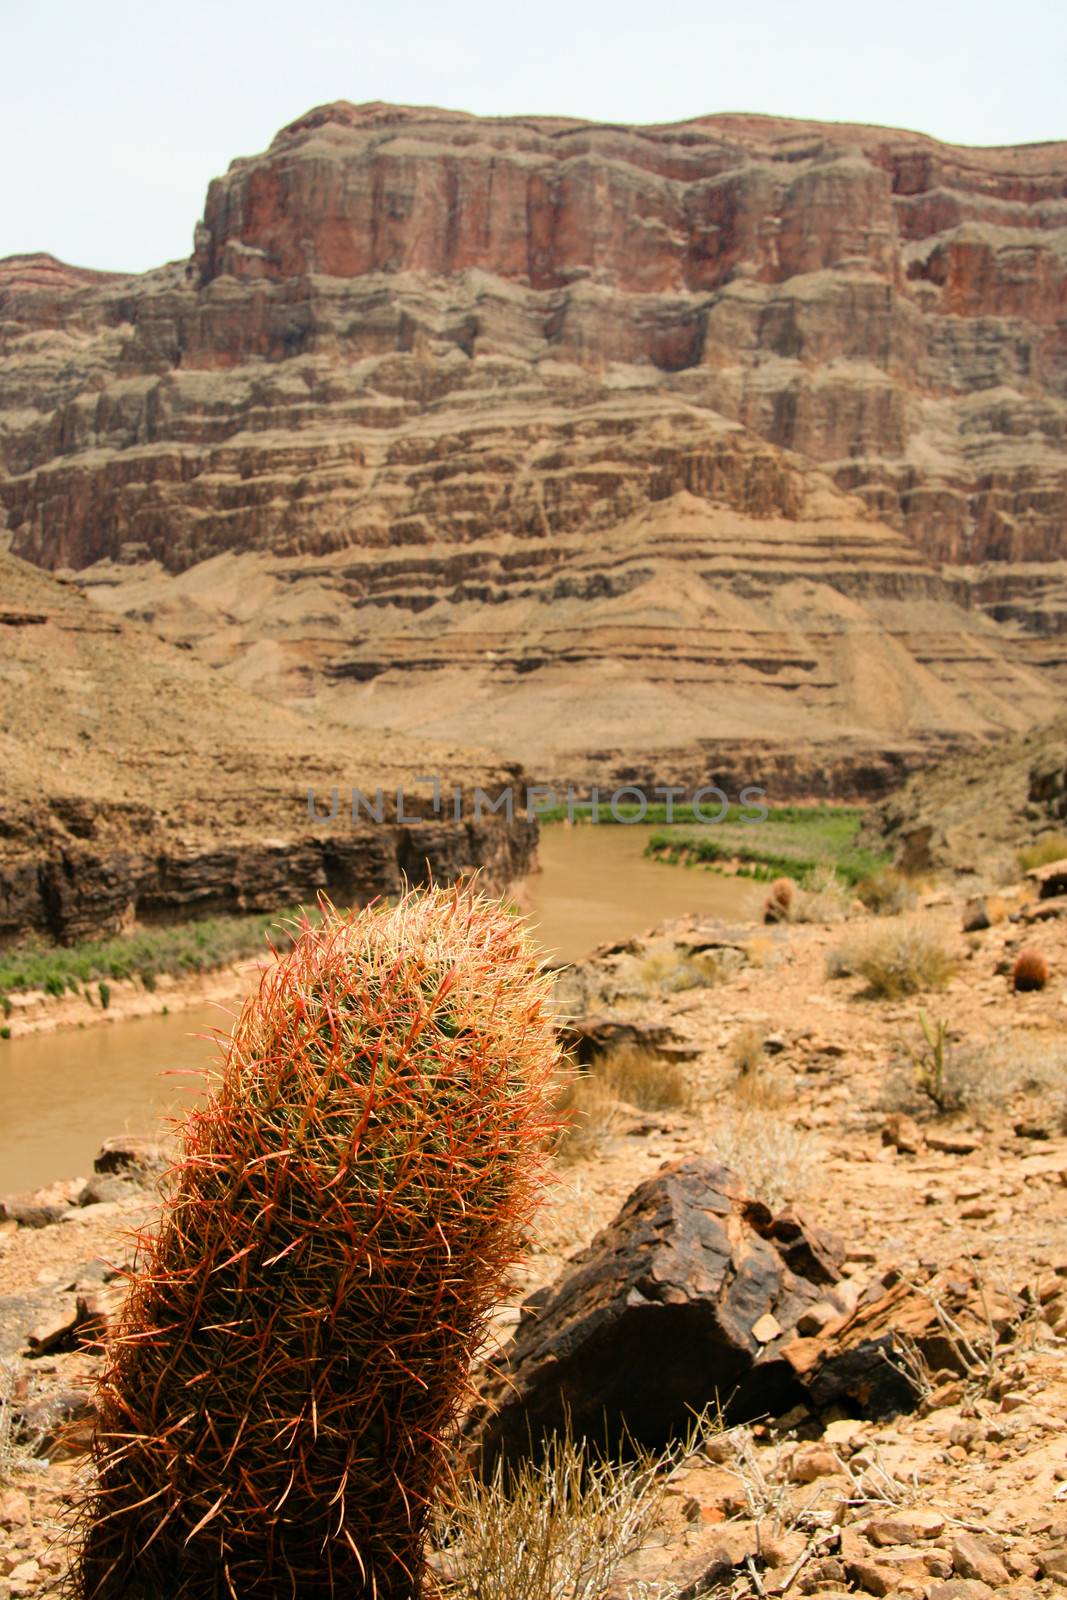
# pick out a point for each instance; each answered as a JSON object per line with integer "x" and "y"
{"x": 63, "y": 1093}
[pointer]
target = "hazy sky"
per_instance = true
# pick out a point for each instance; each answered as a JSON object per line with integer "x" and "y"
{"x": 115, "y": 114}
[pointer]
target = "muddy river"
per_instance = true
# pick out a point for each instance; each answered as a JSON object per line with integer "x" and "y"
{"x": 62, "y": 1094}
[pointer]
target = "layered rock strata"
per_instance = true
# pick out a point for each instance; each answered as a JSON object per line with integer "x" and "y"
{"x": 741, "y": 408}
{"x": 140, "y": 786}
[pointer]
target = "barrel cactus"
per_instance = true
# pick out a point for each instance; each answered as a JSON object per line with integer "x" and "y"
{"x": 345, "y": 1208}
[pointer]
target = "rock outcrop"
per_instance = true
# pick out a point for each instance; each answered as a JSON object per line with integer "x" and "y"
{"x": 973, "y": 813}
{"x": 463, "y": 425}
{"x": 140, "y": 786}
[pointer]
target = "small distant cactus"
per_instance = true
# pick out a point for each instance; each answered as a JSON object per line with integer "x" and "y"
{"x": 1030, "y": 970}
{"x": 296, "y": 1340}
{"x": 778, "y": 906}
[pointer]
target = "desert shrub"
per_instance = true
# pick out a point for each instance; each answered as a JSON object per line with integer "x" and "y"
{"x": 642, "y": 1077}
{"x": 900, "y": 960}
{"x": 104, "y": 991}
{"x": 775, "y": 1160}
{"x": 339, "y": 1225}
{"x": 746, "y": 1049}
{"x": 825, "y": 897}
{"x": 555, "y": 1529}
{"x": 1029, "y": 970}
{"x": 55, "y": 985}
{"x": 5, "y": 1005}
{"x": 840, "y": 962}
{"x": 18, "y": 1451}
{"x": 5, "y": 1031}
{"x": 675, "y": 970}
{"x": 148, "y": 978}
{"x": 1053, "y": 847}
{"x": 587, "y": 1111}
{"x": 886, "y": 892}
{"x": 778, "y": 906}
{"x": 982, "y": 1074}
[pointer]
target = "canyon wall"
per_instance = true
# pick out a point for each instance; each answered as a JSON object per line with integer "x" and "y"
{"x": 441, "y": 405}
{"x": 140, "y": 787}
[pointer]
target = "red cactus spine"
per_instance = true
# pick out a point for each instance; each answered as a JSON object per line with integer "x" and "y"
{"x": 297, "y": 1336}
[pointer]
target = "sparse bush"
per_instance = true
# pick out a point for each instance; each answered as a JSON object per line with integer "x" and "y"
{"x": 642, "y": 1077}
{"x": 1029, "y": 970}
{"x": 5, "y": 1031}
{"x": 104, "y": 991}
{"x": 5, "y": 1005}
{"x": 886, "y": 892}
{"x": 774, "y": 1159}
{"x": 840, "y": 962}
{"x": 55, "y": 985}
{"x": 148, "y": 978}
{"x": 674, "y": 971}
{"x": 778, "y": 906}
{"x": 587, "y": 1111}
{"x": 987, "y": 1073}
{"x": 746, "y": 1051}
{"x": 1053, "y": 847}
{"x": 825, "y": 897}
{"x": 17, "y": 1452}
{"x": 896, "y": 961}
{"x": 555, "y": 1529}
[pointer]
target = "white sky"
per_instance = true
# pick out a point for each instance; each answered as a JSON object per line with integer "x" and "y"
{"x": 116, "y": 113}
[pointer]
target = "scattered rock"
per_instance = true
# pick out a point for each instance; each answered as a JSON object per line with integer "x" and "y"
{"x": 972, "y": 1559}
{"x": 954, "y": 1144}
{"x": 55, "y": 1329}
{"x": 1051, "y": 880}
{"x": 961, "y": 1589}
{"x": 131, "y": 1154}
{"x": 654, "y": 1319}
{"x": 811, "y": 1462}
{"x": 903, "y": 1133}
{"x": 14, "y": 1509}
{"x": 61, "y": 1424}
{"x": 975, "y": 915}
{"x": 905, "y": 1527}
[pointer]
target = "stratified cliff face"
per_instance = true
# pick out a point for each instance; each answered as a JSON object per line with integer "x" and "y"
{"x": 447, "y": 358}
{"x": 139, "y": 786}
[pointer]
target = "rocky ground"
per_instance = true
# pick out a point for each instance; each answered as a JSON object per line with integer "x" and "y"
{"x": 800, "y": 1083}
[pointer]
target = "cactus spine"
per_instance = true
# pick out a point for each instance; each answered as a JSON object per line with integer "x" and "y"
{"x": 296, "y": 1340}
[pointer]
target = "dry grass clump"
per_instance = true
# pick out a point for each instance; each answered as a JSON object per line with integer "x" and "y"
{"x": 827, "y": 898}
{"x": 673, "y": 971}
{"x": 747, "y": 1049}
{"x": 901, "y": 960}
{"x": 588, "y": 1103}
{"x": 588, "y": 1112}
{"x": 778, "y": 906}
{"x": 774, "y": 1160}
{"x": 886, "y": 892}
{"x": 643, "y": 1078}
{"x": 558, "y": 1529}
{"x": 17, "y": 1454}
{"x": 1053, "y": 847}
{"x": 1030, "y": 970}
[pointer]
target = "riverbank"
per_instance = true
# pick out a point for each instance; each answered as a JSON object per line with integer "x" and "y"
{"x": 35, "y": 1011}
